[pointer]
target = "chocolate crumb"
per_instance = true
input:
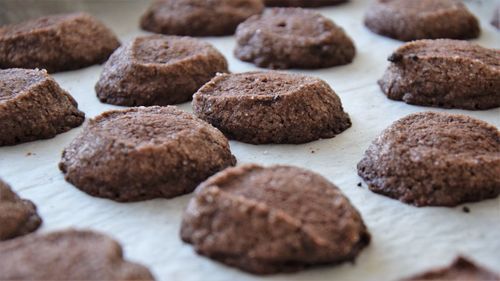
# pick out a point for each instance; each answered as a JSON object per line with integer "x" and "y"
{"x": 466, "y": 209}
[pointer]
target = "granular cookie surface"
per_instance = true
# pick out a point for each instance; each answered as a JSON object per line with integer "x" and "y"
{"x": 274, "y": 219}
{"x": 158, "y": 70}
{"x": 293, "y": 38}
{"x": 434, "y": 159}
{"x": 143, "y": 153}
{"x": 198, "y": 17}
{"x": 444, "y": 73}
{"x": 17, "y": 216}
{"x": 68, "y": 255}
{"x": 302, "y": 3}
{"x": 33, "y": 107}
{"x": 408, "y": 20}
{"x": 271, "y": 107}
{"x": 56, "y": 43}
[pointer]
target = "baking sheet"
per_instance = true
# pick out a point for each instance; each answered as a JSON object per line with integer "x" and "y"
{"x": 406, "y": 239}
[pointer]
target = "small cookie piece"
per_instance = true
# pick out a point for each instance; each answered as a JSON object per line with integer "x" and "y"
{"x": 198, "y": 17}
{"x": 33, "y": 107}
{"x": 271, "y": 107}
{"x": 460, "y": 270}
{"x": 69, "y": 255}
{"x": 56, "y": 43}
{"x": 302, "y": 3}
{"x": 17, "y": 216}
{"x": 408, "y": 20}
{"x": 434, "y": 159}
{"x": 143, "y": 153}
{"x": 444, "y": 73}
{"x": 158, "y": 70}
{"x": 283, "y": 38}
{"x": 274, "y": 219}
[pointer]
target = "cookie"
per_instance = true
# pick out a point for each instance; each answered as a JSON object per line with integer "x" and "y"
{"x": 143, "y": 153}
{"x": 274, "y": 219}
{"x": 271, "y": 107}
{"x": 444, "y": 73}
{"x": 158, "y": 70}
{"x": 408, "y": 20}
{"x": 198, "y": 17}
{"x": 17, "y": 216}
{"x": 283, "y": 38}
{"x": 302, "y": 3}
{"x": 461, "y": 269}
{"x": 68, "y": 255}
{"x": 33, "y": 107}
{"x": 434, "y": 159}
{"x": 56, "y": 43}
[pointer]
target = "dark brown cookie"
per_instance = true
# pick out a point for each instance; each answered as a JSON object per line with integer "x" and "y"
{"x": 271, "y": 107}
{"x": 434, "y": 159}
{"x": 56, "y": 43}
{"x": 17, "y": 216}
{"x": 460, "y": 270}
{"x": 198, "y": 17}
{"x": 275, "y": 219}
{"x": 67, "y": 255}
{"x": 143, "y": 153}
{"x": 33, "y": 106}
{"x": 408, "y": 20}
{"x": 444, "y": 73}
{"x": 293, "y": 38}
{"x": 158, "y": 70}
{"x": 302, "y": 3}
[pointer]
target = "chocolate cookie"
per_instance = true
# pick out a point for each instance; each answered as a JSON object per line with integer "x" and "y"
{"x": 408, "y": 20}
{"x": 68, "y": 255}
{"x": 460, "y": 270}
{"x": 292, "y": 38}
{"x": 444, "y": 73}
{"x": 302, "y": 3}
{"x": 270, "y": 220}
{"x": 198, "y": 17}
{"x": 33, "y": 106}
{"x": 271, "y": 107}
{"x": 143, "y": 153}
{"x": 56, "y": 43}
{"x": 17, "y": 216}
{"x": 434, "y": 159}
{"x": 158, "y": 70}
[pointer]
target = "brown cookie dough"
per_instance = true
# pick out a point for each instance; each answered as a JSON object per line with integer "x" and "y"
{"x": 68, "y": 255}
{"x": 460, "y": 270}
{"x": 33, "y": 107}
{"x": 275, "y": 219}
{"x": 198, "y": 17}
{"x": 302, "y": 3}
{"x": 408, "y": 20}
{"x": 271, "y": 107}
{"x": 17, "y": 216}
{"x": 292, "y": 38}
{"x": 56, "y": 43}
{"x": 434, "y": 159}
{"x": 158, "y": 70}
{"x": 444, "y": 73}
{"x": 143, "y": 153}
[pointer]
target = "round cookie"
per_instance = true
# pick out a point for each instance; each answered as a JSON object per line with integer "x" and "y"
{"x": 69, "y": 255}
{"x": 158, "y": 70}
{"x": 434, "y": 159}
{"x": 274, "y": 219}
{"x": 408, "y": 20}
{"x": 444, "y": 73}
{"x": 143, "y": 153}
{"x": 302, "y": 3}
{"x": 283, "y": 38}
{"x": 17, "y": 216}
{"x": 271, "y": 107}
{"x": 198, "y": 17}
{"x": 33, "y": 107}
{"x": 56, "y": 43}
